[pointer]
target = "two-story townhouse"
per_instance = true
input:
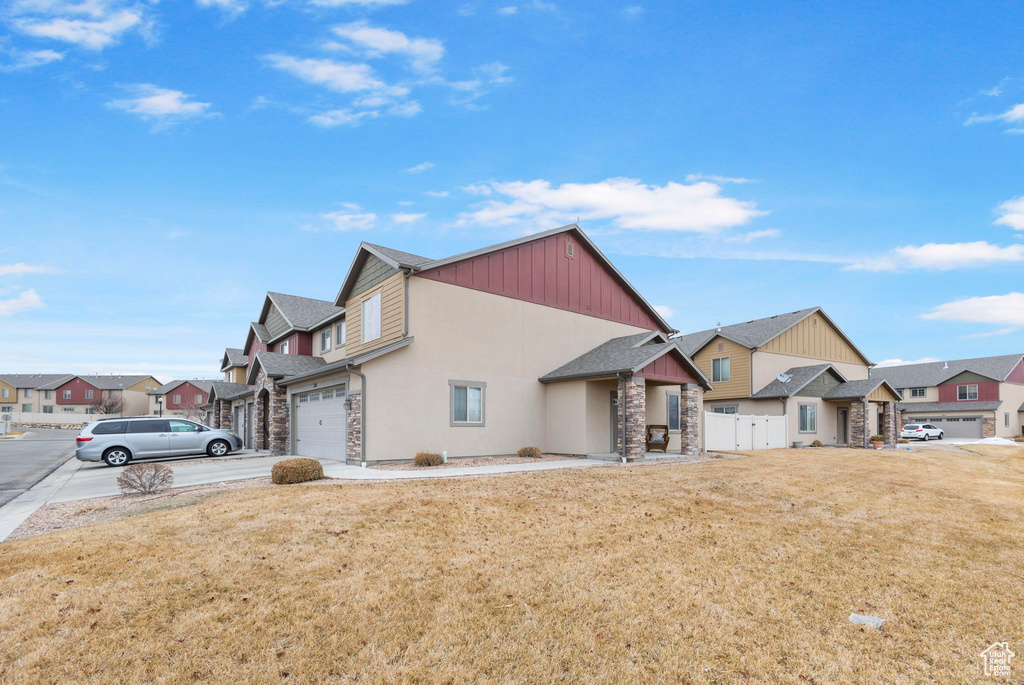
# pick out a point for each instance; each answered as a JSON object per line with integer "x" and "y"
{"x": 22, "y": 393}
{"x": 181, "y": 398}
{"x": 234, "y": 365}
{"x": 81, "y": 394}
{"x": 539, "y": 341}
{"x": 799, "y": 364}
{"x": 966, "y": 398}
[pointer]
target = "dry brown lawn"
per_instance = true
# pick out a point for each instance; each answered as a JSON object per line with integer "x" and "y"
{"x": 734, "y": 571}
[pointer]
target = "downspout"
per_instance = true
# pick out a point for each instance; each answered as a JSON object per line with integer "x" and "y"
{"x": 362, "y": 416}
{"x": 405, "y": 333}
{"x": 622, "y": 415}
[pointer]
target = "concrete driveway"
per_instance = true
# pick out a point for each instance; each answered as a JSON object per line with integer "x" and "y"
{"x": 26, "y": 461}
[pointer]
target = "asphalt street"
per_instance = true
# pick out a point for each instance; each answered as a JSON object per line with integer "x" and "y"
{"x": 26, "y": 461}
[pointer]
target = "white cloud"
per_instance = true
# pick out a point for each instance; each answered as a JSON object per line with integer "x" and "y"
{"x": 995, "y": 309}
{"x": 665, "y": 311}
{"x": 633, "y": 11}
{"x": 437, "y": 193}
{"x": 103, "y": 29}
{"x": 232, "y": 7}
{"x": 161, "y": 105}
{"x": 751, "y": 236}
{"x": 1012, "y": 214}
{"x": 341, "y": 117}
{"x": 405, "y": 218}
{"x": 22, "y": 268}
{"x": 942, "y": 257}
{"x": 423, "y": 53}
{"x": 901, "y": 362}
{"x": 628, "y": 203}
{"x": 341, "y": 77}
{"x": 347, "y": 221}
{"x": 693, "y": 178}
{"x": 32, "y": 59}
{"x": 1014, "y": 115}
{"x": 420, "y": 168}
{"x": 508, "y": 11}
{"x": 364, "y": 3}
{"x": 24, "y": 301}
{"x": 989, "y": 334}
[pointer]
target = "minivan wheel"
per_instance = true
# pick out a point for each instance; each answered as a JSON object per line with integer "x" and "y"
{"x": 218, "y": 448}
{"x": 117, "y": 456}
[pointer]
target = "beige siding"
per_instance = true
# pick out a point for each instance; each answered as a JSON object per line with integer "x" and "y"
{"x": 931, "y": 394}
{"x": 766, "y": 365}
{"x": 1013, "y": 397}
{"x": 145, "y": 385}
{"x": 814, "y": 338}
{"x": 336, "y": 352}
{"x": 392, "y": 315}
{"x": 739, "y": 368}
{"x": 12, "y": 393}
{"x": 882, "y": 394}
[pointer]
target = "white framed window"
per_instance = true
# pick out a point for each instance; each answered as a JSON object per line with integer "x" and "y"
{"x": 28, "y": 393}
{"x": 28, "y": 407}
{"x": 67, "y": 394}
{"x": 325, "y": 340}
{"x": 46, "y": 394}
{"x": 7, "y": 410}
{"x": 371, "y": 318}
{"x": 88, "y": 394}
{"x": 467, "y": 403}
{"x": 89, "y": 410}
{"x": 1006, "y": 419}
{"x": 48, "y": 409}
{"x": 725, "y": 409}
{"x": 284, "y": 347}
{"x": 5, "y": 392}
{"x": 808, "y": 418}
{"x": 674, "y": 414}
{"x": 198, "y": 399}
{"x": 341, "y": 334}
{"x": 720, "y": 371}
{"x": 967, "y": 392}
{"x": 918, "y": 392}
{"x": 68, "y": 409}
{"x": 176, "y": 399}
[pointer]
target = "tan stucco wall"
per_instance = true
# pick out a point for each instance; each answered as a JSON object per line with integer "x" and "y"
{"x": 931, "y": 395}
{"x": 336, "y": 352}
{"x": 568, "y": 402}
{"x": 1012, "y": 397}
{"x": 767, "y": 365}
{"x": 738, "y": 384}
{"x": 814, "y": 338}
{"x": 508, "y": 345}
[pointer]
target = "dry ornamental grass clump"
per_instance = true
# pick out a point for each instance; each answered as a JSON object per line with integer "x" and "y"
{"x": 427, "y": 459}
{"x": 145, "y": 479}
{"x": 530, "y": 453}
{"x": 297, "y": 470}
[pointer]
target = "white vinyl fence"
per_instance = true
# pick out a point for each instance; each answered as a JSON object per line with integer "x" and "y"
{"x": 55, "y": 417}
{"x": 731, "y": 432}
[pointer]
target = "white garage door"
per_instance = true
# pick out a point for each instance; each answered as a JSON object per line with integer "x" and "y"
{"x": 320, "y": 424}
{"x": 959, "y": 428}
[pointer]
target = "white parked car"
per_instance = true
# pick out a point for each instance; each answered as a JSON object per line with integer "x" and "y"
{"x": 921, "y": 431}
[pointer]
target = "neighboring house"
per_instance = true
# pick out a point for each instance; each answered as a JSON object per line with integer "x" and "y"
{"x": 234, "y": 365}
{"x": 71, "y": 394}
{"x": 828, "y": 395}
{"x": 539, "y": 341}
{"x": 966, "y": 398}
{"x": 181, "y": 398}
{"x": 227, "y": 406}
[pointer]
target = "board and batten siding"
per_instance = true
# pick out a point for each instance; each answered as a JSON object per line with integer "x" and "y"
{"x": 392, "y": 315}
{"x": 882, "y": 394}
{"x": 145, "y": 385}
{"x": 738, "y": 384}
{"x": 12, "y": 392}
{"x": 814, "y": 338}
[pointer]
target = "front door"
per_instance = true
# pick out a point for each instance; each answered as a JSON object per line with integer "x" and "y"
{"x": 248, "y": 423}
{"x": 841, "y": 426}
{"x": 615, "y": 422}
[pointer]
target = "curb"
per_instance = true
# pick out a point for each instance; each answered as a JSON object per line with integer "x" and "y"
{"x": 14, "y": 513}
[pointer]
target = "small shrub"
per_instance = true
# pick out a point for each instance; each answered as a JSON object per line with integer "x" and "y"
{"x": 817, "y": 443}
{"x": 877, "y": 438}
{"x": 1018, "y": 438}
{"x": 296, "y": 471}
{"x": 427, "y": 459}
{"x": 530, "y": 453}
{"x": 145, "y": 479}
{"x": 903, "y": 441}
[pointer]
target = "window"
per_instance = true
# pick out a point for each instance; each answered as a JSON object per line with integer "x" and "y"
{"x": 327, "y": 394}
{"x": 325, "y": 340}
{"x": 371, "y": 318}
{"x": 198, "y": 399}
{"x": 46, "y": 394}
{"x": 967, "y": 392}
{"x": 673, "y": 412}
{"x": 88, "y": 394}
{"x": 5, "y": 392}
{"x": 720, "y": 370}
{"x": 467, "y": 403}
{"x": 68, "y": 409}
{"x": 808, "y": 418}
{"x": 48, "y": 409}
{"x": 149, "y": 426}
{"x": 67, "y": 394}
{"x": 90, "y": 410}
{"x": 28, "y": 407}
{"x": 341, "y": 334}
{"x": 110, "y": 428}
{"x": 725, "y": 409}
{"x": 1006, "y": 419}
{"x": 176, "y": 399}
{"x": 918, "y": 392}
{"x": 28, "y": 393}
{"x": 284, "y": 347}
{"x": 178, "y": 426}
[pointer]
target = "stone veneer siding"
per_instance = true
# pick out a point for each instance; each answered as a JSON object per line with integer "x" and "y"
{"x": 280, "y": 421}
{"x": 988, "y": 428}
{"x": 224, "y": 416}
{"x": 889, "y": 430}
{"x": 858, "y": 423}
{"x": 354, "y": 436}
{"x": 635, "y": 413}
{"x": 689, "y": 422}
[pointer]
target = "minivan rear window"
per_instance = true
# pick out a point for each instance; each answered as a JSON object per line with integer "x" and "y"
{"x": 149, "y": 426}
{"x": 109, "y": 428}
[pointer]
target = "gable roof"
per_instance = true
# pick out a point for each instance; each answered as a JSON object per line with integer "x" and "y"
{"x": 758, "y": 332}
{"x": 256, "y": 330}
{"x": 801, "y": 378}
{"x": 935, "y": 373}
{"x": 201, "y": 383}
{"x": 855, "y": 390}
{"x": 233, "y": 357}
{"x": 628, "y": 354}
{"x": 344, "y": 364}
{"x": 301, "y": 313}
{"x": 108, "y": 382}
{"x": 222, "y": 390}
{"x": 32, "y": 380}
{"x": 277, "y": 365}
{"x": 930, "y": 407}
{"x": 411, "y": 263}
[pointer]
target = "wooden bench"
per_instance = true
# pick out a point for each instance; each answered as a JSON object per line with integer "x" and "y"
{"x": 657, "y": 438}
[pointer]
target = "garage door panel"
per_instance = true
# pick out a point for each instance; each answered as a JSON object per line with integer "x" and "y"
{"x": 958, "y": 428}
{"x": 320, "y": 425}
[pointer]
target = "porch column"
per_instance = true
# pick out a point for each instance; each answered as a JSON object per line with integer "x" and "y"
{"x": 889, "y": 431}
{"x": 899, "y": 418}
{"x": 988, "y": 427}
{"x": 224, "y": 414}
{"x": 278, "y": 427}
{"x": 260, "y": 410}
{"x": 354, "y": 435}
{"x": 633, "y": 396}
{"x": 689, "y": 421}
{"x": 859, "y": 423}
{"x": 215, "y": 419}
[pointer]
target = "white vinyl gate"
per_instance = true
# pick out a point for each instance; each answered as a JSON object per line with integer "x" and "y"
{"x": 320, "y": 424}
{"x": 732, "y": 432}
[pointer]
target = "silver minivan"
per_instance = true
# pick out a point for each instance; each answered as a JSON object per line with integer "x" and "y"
{"x": 119, "y": 441}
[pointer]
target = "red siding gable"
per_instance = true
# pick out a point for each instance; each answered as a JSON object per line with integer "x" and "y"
{"x": 988, "y": 391}
{"x": 667, "y": 368}
{"x": 78, "y": 388}
{"x": 1017, "y": 375}
{"x": 298, "y": 343}
{"x": 542, "y": 273}
{"x": 187, "y": 391}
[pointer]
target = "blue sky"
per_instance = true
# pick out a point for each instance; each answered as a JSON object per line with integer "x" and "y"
{"x": 162, "y": 165}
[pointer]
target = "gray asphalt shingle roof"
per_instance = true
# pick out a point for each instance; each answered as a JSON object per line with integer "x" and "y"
{"x": 261, "y": 331}
{"x": 235, "y": 357}
{"x": 402, "y": 258}
{"x": 619, "y": 355}
{"x": 749, "y": 334}
{"x": 276, "y": 365}
{"x": 111, "y": 382}
{"x": 801, "y": 376}
{"x": 303, "y": 312}
{"x": 32, "y": 380}
{"x": 201, "y": 383}
{"x": 929, "y": 407}
{"x": 934, "y": 373}
{"x": 222, "y": 390}
{"x": 853, "y": 390}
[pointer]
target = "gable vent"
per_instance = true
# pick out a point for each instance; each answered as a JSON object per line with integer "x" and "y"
{"x": 570, "y": 250}
{"x": 721, "y": 346}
